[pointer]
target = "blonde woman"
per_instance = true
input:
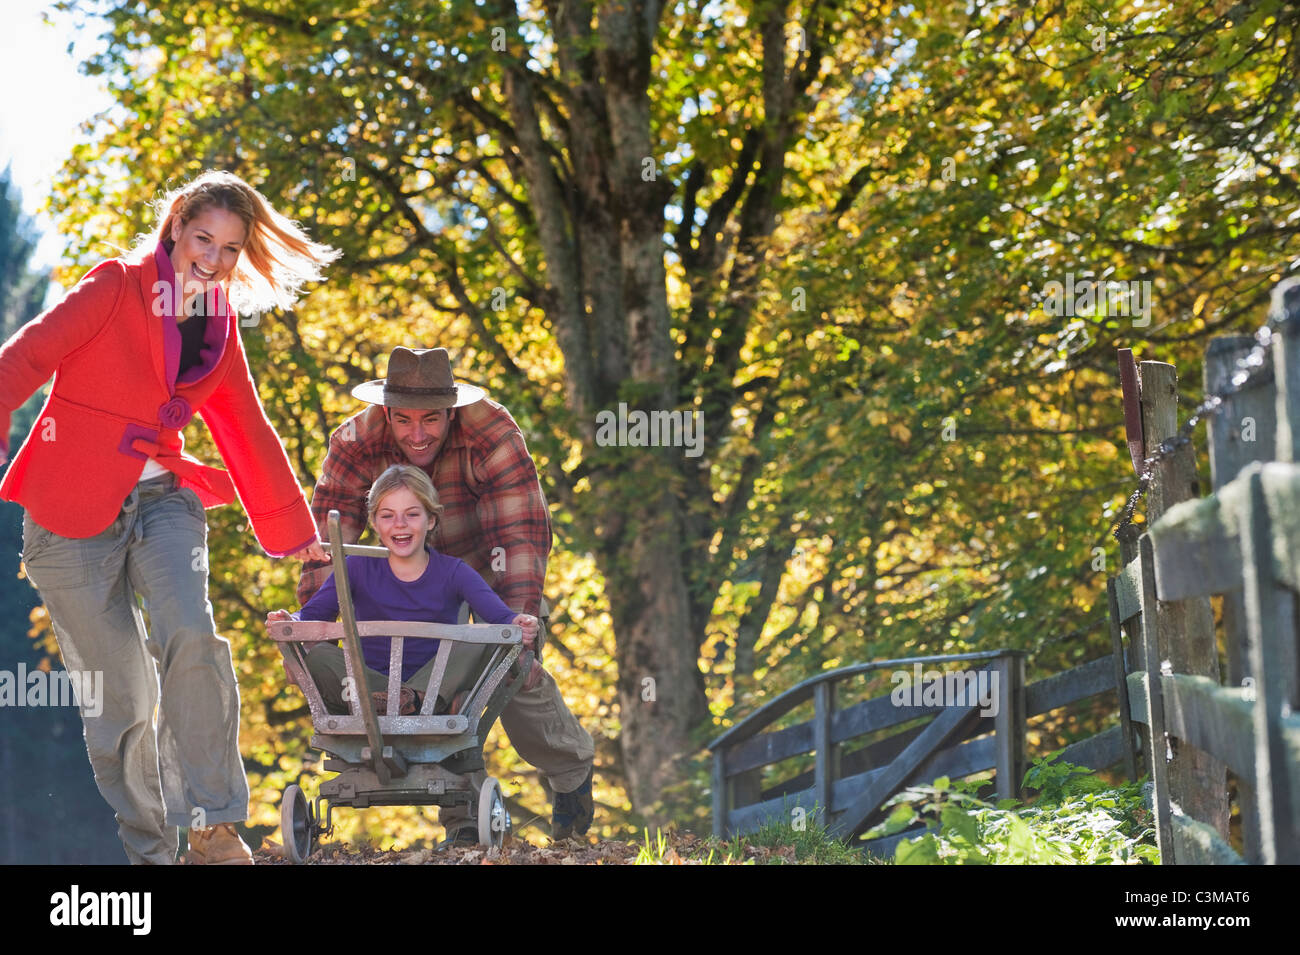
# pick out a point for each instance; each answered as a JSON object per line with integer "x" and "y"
{"x": 114, "y": 507}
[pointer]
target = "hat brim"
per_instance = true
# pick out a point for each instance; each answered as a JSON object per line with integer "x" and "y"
{"x": 373, "y": 393}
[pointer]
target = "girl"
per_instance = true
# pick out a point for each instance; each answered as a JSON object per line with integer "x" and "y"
{"x": 113, "y": 507}
{"x": 415, "y": 582}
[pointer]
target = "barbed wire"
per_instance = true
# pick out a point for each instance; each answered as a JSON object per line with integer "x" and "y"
{"x": 1252, "y": 369}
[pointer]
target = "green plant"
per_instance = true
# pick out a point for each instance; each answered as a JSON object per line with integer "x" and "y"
{"x": 1076, "y": 819}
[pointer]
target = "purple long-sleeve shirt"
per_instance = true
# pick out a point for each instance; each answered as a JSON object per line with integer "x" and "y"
{"x": 435, "y": 597}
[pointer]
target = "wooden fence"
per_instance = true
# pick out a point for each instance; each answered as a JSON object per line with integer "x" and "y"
{"x": 1241, "y": 543}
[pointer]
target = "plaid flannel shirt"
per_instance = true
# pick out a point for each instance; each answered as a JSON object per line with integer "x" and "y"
{"x": 495, "y": 517}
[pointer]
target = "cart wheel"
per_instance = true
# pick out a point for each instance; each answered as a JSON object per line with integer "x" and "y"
{"x": 494, "y": 825}
{"x": 297, "y": 826}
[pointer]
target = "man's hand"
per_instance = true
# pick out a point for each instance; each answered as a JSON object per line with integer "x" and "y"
{"x": 313, "y": 551}
{"x": 277, "y": 616}
{"x": 528, "y": 623}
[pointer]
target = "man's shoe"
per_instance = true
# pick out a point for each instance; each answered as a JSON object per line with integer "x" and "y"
{"x": 572, "y": 812}
{"x": 464, "y": 836}
{"x": 218, "y": 845}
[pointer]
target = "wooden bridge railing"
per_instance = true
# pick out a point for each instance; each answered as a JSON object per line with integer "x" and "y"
{"x": 848, "y": 788}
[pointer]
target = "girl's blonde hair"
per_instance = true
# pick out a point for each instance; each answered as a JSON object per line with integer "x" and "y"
{"x": 415, "y": 481}
{"x": 277, "y": 258}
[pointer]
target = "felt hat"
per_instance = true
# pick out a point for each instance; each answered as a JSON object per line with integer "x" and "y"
{"x": 418, "y": 378}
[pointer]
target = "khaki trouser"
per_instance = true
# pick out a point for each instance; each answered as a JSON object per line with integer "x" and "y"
{"x": 188, "y": 771}
{"x": 537, "y": 722}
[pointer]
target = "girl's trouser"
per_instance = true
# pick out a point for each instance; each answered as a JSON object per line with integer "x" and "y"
{"x": 157, "y": 547}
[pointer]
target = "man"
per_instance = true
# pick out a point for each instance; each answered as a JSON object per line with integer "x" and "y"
{"x": 495, "y": 519}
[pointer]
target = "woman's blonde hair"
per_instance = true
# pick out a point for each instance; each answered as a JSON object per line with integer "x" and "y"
{"x": 277, "y": 258}
{"x": 415, "y": 481}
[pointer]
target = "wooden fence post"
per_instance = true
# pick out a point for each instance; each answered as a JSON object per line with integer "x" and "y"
{"x": 1157, "y": 754}
{"x": 1009, "y": 724}
{"x": 1244, "y": 430}
{"x": 828, "y": 763}
{"x": 1185, "y": 628}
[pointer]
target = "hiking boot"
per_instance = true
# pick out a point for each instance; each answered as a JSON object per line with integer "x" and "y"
{"x": 464, "y": 836}
{"x": 572, "y": 812}
{"x": 409, "y": 702}
{"x": 218, "y": 845}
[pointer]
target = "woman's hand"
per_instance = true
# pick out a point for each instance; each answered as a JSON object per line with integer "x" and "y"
{"x": 278, "y": 616}
{"x": 528, "y": 623}
{"x": 313, "y": 551}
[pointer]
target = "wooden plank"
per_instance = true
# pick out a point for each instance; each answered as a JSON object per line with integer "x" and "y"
{"x": 1119, "y": 662}
{"x": 315, "y": 631}
{"x": 1070, "y": 686}
{"x": 1243, "y": 430}
{"x": 1195, "y": 551}
{"x": 1103, "y": 750}
{"x": 1271, "y": 636}
{"x": 1128, "y": 591}
{"x": 882, "y": 712}
{"x": 956, "y": 760}
{"x": 802, "y": 692}
{"x": 753, "y": 817}
{"x": 1195, "y": 843}
{"x": 1213, "y": 718}
{"x": 1286, "y": 367}
{"x": 769, "y": 748}
{"x": 1282, "y": 494}
{"x": 896, "y": 773}
{"x": 1155, "y": 715}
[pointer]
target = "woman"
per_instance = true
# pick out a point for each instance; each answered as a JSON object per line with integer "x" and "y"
{"x": 114, "y": 507}
{"x": 415, "y": 582}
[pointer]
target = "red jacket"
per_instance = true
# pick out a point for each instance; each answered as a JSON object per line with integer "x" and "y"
{"x": 107, "y": 408}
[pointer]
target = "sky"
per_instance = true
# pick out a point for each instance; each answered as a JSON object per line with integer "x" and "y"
{"x": 44, "y": 101}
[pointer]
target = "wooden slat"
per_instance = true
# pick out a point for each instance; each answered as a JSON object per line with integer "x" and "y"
{"x": 951, "y": 761}
{"x": 1285, "y": 312}
{"x": 1070, "y": 686}
{"x": 1097, "y": 752}
{"x": 1128, "y": 591}
{"x": 1195, "y": 843}
{"x": 1211, "y": 717}
{"x": 314, "y": 631}
{"x": 768, "y": 748}
{"x": 1195, "y": 549}
{"x": 1230, "y": 449}
{"x": 773, "y": 710}
{"x": 1271, "y": 631}
{"x": 896, "y": 773}
{"x": 956, "y": 762}
{"x": 1119, "y": 663}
